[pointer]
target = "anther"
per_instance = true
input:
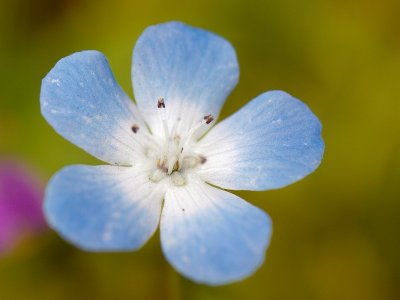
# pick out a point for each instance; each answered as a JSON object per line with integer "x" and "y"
{"x": 161, "y": 103}
{"x": 135, "y": 128}
{"x": 161, "y": 113}
{"x": 209, "y": 118}
{"x": 161, "y": 166}
{"x": 178, "y": 179}
{"x": 176, "y": 166}
{"x": 202, "y": 159}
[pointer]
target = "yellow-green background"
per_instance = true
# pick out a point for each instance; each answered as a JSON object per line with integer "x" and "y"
{"x": 336, "y": 233}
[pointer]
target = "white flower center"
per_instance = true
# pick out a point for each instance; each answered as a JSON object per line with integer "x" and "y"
{"x": 171, "y": 156}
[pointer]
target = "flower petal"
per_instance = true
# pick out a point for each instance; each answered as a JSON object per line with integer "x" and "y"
{"x": 103, "y": 208}
{"x": 212, "y": 236}
{"x": 192, "y": 69}
{"x": 273, "y": 141}
{"x": 82, "y": 101}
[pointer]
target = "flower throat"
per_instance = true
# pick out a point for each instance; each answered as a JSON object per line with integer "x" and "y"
{"x": 172, "y": 155}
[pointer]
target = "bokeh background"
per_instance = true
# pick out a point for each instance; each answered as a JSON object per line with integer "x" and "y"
{"x": 336, "y": 233}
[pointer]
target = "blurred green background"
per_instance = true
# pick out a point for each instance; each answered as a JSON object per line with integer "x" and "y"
{"x": 336, "y": 233}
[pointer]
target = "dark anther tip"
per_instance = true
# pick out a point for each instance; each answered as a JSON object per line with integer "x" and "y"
{"x": 161, "y": 103}
{"x": 209, "y": 118}
{"x": 202, "y": 159}
{"x": 135, "y": 128}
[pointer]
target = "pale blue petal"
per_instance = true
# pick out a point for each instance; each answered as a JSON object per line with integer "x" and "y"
{"x": 271, "y": 142}
{"x": 193, "y": 69}
{"x": 103, "y": 208}
{"x": 82, "y": 101}
{"x": 212, "y": 236}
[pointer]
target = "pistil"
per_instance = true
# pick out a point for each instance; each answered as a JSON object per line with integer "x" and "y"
{"x": 175, "y": 156}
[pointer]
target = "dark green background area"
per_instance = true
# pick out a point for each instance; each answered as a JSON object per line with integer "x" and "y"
{"x": 336, "y": 233}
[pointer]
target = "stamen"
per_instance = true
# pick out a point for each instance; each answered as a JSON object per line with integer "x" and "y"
{"x": 178, "y": 179}
{"x": 161, "y": 106}
{"x": 161, "y": 166}
{"x": 174, "y": 129}
{"x": 203, "y": 159}
{"x": 190, "y": 162}
{"x": 157, "y": 175}
{"x": 209, "y": 118}
{"x": 161, "y": 102}
{"x": 174, "y": 156}
{"x": 193, "y": 132}
{"x": 135, "y": 128}
{"x": 143, "y": 138}
{"x": 173, "y": 164}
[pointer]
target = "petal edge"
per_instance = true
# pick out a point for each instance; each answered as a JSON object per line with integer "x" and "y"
{"x": 82, "y": 101}
{"x": 212, "y": 236}
{"x": 271, "y": 142}
{"x": 193, "y": 69}
{"x": 103, "y": 208}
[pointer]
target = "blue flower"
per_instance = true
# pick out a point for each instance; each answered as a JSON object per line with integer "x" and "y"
{"x": 164, "y": 165}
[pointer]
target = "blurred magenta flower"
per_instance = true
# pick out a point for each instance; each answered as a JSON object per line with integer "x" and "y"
{"x": 162, "y": 165}
{"x": 20, "y": 205}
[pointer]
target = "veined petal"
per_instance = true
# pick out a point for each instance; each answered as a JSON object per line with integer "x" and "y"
{"x": 192, "y": 69}
{"x": 103, "y": 208}
{"x": 271, "y": 142}
{"x": 212, "y": 236}
{"x": 82, "y": 101}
